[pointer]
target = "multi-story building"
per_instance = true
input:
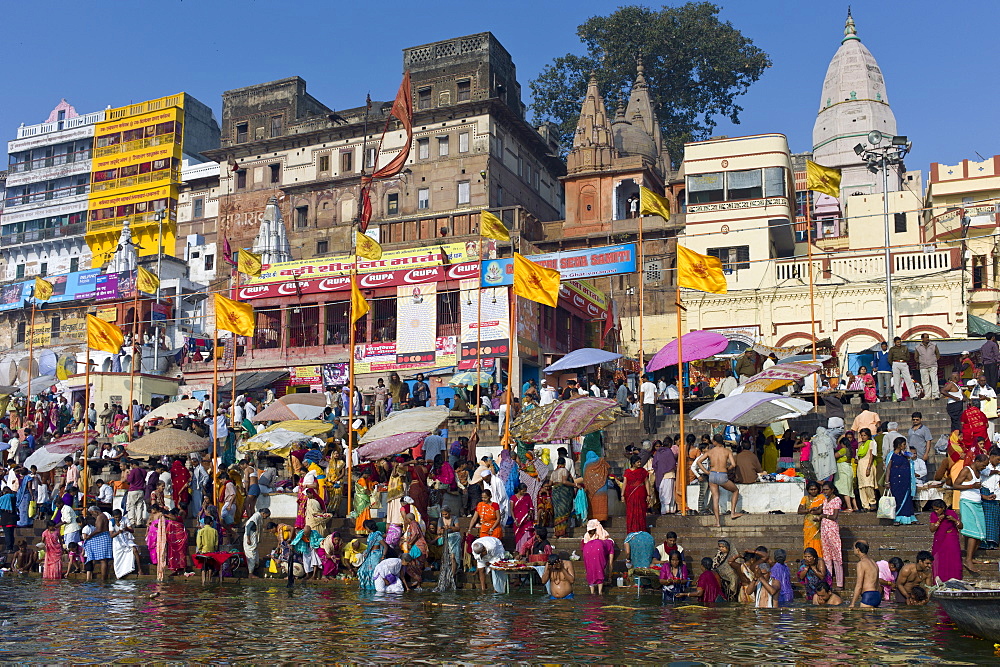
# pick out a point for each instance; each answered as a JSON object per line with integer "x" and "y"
{"x": 472, "y": 149}
{"x": 136, "y": 172}
{"x": 45, "y": 203}
{"x": 961, "y": 208}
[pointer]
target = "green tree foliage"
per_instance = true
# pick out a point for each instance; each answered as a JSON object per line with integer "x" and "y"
{"x": 696, "y": 66}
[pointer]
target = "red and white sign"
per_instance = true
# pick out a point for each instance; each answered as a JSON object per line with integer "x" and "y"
{"x": 414, "y": 276}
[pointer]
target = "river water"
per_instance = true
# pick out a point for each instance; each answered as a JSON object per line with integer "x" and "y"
{"x": 131, "y": 621}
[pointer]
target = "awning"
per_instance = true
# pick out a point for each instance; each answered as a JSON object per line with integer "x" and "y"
{"x": 255, "y": 380}
{"x": 980, "y": 327}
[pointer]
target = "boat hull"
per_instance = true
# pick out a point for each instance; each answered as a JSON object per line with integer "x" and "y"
{"x": 974, "y": 611}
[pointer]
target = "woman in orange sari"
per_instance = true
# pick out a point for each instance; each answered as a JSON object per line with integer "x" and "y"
{"x": 487, "y": 515}
{"x": 812, "y": 507}
{"x": 595, "y": 482}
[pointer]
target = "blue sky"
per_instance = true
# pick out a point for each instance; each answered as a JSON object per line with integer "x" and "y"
{"x": 938, "y": 58}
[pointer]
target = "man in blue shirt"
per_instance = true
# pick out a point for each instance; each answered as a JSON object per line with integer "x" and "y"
{"x": 883, "y": 372}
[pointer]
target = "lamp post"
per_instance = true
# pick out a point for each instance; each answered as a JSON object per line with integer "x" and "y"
{"x": 881, "y": 157}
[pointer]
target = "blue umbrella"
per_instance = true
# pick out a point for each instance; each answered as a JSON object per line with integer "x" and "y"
{"x": 587, "y": 356}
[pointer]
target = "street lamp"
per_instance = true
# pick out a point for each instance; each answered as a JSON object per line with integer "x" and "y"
{"x": 881, "y": 157}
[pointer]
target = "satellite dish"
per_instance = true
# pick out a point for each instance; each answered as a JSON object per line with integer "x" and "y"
{"x": 23, "y": 366}
{"x": 47, "y": 362}
{"x": 8, "y": 372}
{"x": 66, "y": 366}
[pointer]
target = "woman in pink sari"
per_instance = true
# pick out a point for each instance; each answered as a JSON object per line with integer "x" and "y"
{"x": 155, "y": 517}
{"x": 53, "y": 552}
{"x": 524, "y": 512}
{"x": 947, "y": 549}
{"x": 176, "y": 543}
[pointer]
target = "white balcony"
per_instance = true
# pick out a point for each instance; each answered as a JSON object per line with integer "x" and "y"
{"x": 844, "y": 267}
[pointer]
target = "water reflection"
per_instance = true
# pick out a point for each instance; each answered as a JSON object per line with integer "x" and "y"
{"x": 142, "y": 622}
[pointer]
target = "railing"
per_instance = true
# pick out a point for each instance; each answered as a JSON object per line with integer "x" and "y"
{"x": 843, "y": 267}
{"x": 41, "y": 163}
{"x": 42, "y": 234}
{"x": 146, "y": 107}
{"x": 923, "y": 262}
{"x": 797, "y": 270}
{"x": 26, "y": 131}
{"x": 138, "y": 144}
{"x": 137, "y": 220}
{"x": 45, "y": 195}
{"x": 140, "y": 179}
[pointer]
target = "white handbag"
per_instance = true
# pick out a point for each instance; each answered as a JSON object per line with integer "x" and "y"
{"x": 887, "y": 508}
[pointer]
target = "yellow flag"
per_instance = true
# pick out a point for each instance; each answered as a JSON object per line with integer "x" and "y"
{"x": 248, "y": 263}
{"x": 535, "y": 282}
{"x": 43, "y": 289}
{"x": 104, "y": 336}
{"x": 147, "y": 281}
{"x": 651, "y": 203}
{"x": 822, "y": 179}
{"x": 367, "y": 247}
{"x": 234, "y": 316}
{"x": 492, "y": 227}
{"x": 359, "y": 306}
{"x": 700, "y": 272}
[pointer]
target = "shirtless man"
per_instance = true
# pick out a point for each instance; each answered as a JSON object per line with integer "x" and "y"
{"x": 825, "y": 597}
{"x": 559, "y": 575}
{"x": 98, "y": 543}
{"x": 912, "y": 575}
{"x": 720, "y": 462}
{"x": 867, "y": 588}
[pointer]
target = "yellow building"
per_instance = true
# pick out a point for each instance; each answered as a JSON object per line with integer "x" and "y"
{"x": 136, "y": 171}
{"x": 961, "y": 208}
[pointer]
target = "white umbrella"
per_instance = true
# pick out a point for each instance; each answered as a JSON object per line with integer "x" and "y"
{"x": 752, "y": 408}
{"x": 173, "y": 409}
{"x": 38, "y": 384}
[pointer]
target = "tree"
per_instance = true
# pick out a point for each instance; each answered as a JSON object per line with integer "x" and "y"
{"x": 696, "y": 66}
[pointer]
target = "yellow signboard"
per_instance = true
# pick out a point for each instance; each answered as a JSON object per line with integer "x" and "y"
{"x": 141, "y": 121}
{"x": 108, "y": 313}
{"x": 73, "y": 327}
{"x": 118, "y": 160}
{"x": 41, "y": 337}
{"x": 165, "y": 192}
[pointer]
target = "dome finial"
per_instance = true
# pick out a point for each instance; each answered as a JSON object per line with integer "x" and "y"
{"x": 850, "y": 31}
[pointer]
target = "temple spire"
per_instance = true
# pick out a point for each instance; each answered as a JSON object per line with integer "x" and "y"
{"x": 592, "y": 142}
{"x": 850, "y": 30}
{"x": 272, "y": 239}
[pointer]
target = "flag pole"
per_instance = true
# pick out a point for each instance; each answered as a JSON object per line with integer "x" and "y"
{"x": 680, "y": 396}
{"x": 236, "y": 292}
{"x": 812, "y": 296}
{"x": 479, "y": 329}
{"x": 29, "y": 409}
{"x": 86, "y": 425}
{"x": 512, "y": 341}
{"x": 135, "y": 346}
{"x": 350, "y": 388}
{"x": 642, "y": 279}
{"x": 215, "y": 409}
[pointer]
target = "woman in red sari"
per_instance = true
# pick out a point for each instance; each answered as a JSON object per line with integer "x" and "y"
{"x": 524, "y": 512}
{"x": 53, "y": 552}
{"x": 177, "y": 543}
{"x": 418, "y": 489}
{"x": 635, "y": 496}
{"x": 180, "y": 482}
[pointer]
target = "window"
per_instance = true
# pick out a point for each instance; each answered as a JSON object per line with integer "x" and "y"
{"x": 424, "y": 98}
{"x": 384, "y": 320}
{"x": 463, "y": 142}
{"x": 705, "y": 188}
{"x": 20, "y": 271}
{"x": 74, "y": 264}
{"x": 275, "y": 126}
{"x": 267, "y": 332}
{"x": 81, "y": 185}
{"x": 209, "y": 262}
{"x": 241, "y": 179}
{"x": 463, "y": 192}
{"x": 55, "y": 327}
{"x": 745, "y": 184}
{"x": 423, "y": 199}
{"x": 423, "y": 148}
{"x": 21, "y": 330}
{"x": 464, "y": 90}
{"x": 198, "y": 207}
{"x": 899, "y": 222}
{"x": 347, "y": 161}
{"x": 275, "y": 173}
{"x": 392, "y": 204}
{"x": 44, "y": 270}
{"x": 322, "y": 247}
{"x": 303, "y": 326}
{"x": 732, "y": 259}
{"x": 499, "y": 195}
{"x": 324, "y": 163}
{"x": 520, "y": 166}
{"x": 337, "y": 318}
{"x": 448, "y": 313}
{"x": 442, "y": 146}
{"x": 978, "y": 271}
{"x": 242, "y": 130}
{"x": 301, "y": 217}
{"x": 370, "y": 158}
{"x": 500, "y": 147}
{"x": 774, "y": 182}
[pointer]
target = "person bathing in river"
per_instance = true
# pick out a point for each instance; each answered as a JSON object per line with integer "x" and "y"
{"x": 866, "y": 588}
{"x": 558, "y": 574}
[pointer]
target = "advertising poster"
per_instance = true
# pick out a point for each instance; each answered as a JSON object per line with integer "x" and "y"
{"x": 416, "y": 323}
{"x": 382, "y": 357}
{"x": 571, "y": 264}
{"x": 487, "y": 336}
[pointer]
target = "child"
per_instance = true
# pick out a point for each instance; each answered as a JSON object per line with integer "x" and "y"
{"x": 75, "y": 554}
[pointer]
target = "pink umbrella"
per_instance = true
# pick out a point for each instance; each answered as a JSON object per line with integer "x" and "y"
{"x": 391, "y": 445}
{"x": 72, "y": 442}
{"x": 695, "y": 345}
